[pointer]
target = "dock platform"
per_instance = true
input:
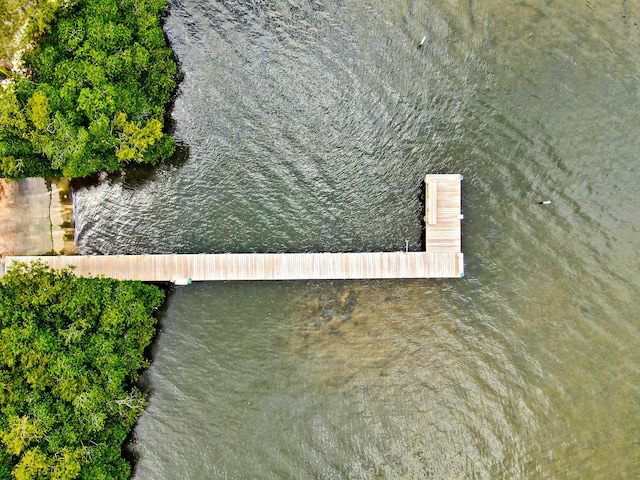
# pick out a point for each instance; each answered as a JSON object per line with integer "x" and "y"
{"x": 443, "y": 213}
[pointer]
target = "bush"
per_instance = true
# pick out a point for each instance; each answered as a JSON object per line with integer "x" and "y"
{"x": 70, "y": 350}
{"x": 101, "y": 79}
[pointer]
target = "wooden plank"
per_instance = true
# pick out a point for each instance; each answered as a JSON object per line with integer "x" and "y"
{"x": 255, "y": 266}
{"x": 444, "y": 235}
{"x": 431, "y": 202}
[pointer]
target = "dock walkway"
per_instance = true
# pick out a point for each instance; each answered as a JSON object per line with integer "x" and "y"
{"x": 442, "y": 259}
{"x": 260, "y": 266}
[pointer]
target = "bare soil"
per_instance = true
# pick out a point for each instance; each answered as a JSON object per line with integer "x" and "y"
{"x": 36, "y": 217}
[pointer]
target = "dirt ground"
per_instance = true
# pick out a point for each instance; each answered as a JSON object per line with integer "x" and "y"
{"x": 36, "y": 217}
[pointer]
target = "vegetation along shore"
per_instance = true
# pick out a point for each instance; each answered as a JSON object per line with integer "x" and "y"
{"x": 70, "y": 352}
{"x": 84, "y": 88}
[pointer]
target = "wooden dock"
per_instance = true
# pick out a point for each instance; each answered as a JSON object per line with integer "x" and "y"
{"x": 443, "y": 215}
{"x": 260, "y": 266}
{"x": 442, "y": 259}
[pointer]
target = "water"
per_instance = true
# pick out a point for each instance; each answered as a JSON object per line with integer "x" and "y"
{"x": 308, "y": 126}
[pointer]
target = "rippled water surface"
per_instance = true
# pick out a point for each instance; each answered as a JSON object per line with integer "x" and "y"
{"x": 308, "y": 126}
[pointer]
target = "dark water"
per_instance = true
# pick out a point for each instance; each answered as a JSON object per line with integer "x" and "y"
{"x": 308, "y": 126}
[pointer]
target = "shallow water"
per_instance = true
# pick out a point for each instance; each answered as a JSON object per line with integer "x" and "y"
{"x": 308, "y": 126}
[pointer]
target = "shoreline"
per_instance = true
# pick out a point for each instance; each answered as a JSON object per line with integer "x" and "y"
{"x": 36, "y": 217}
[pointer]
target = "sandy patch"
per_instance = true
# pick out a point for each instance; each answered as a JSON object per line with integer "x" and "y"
{"x": 36, "y": 217}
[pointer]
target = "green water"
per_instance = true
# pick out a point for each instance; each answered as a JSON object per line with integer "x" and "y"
{"x": 308, "y": 126}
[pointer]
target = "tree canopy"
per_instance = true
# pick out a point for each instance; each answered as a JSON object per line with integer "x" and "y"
{"x": 70, "y": 350}
{"x": 95, "y": 95}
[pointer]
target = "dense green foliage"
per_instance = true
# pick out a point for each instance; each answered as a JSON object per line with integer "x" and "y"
{"x": 70, "y": 350}
{"x": 13, "y": 14}
{"x": 100, "y": 80}
{"x": 23, "y": 20}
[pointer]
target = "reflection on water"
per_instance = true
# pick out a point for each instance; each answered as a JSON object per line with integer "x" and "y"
{"x": 309, "y": 126}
